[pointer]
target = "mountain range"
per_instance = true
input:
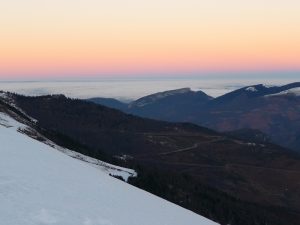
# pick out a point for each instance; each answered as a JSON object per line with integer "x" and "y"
{"x": 226, "y": 177}
{"x": 273, "y": 110}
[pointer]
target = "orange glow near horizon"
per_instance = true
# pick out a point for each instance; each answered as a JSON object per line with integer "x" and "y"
{"x": 130, "y": 36}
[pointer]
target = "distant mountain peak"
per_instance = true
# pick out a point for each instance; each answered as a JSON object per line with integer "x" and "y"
{"x": 169, "y": 93}
{"x": 261, "y": 90}
{"x": 160, "y": 95}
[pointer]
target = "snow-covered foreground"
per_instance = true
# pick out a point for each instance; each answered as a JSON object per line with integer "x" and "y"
{"x": 40, "y": 185}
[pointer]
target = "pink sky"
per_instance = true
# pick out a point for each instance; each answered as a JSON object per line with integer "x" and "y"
{"x": 124, "y": 37}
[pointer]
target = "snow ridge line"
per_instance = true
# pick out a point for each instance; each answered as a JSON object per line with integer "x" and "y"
{"x": 22, "y": 126}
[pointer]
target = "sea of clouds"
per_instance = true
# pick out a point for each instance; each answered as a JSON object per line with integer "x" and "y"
{"x": 130, "y": 89}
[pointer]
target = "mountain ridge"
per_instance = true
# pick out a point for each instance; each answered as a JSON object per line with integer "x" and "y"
{"x": 274, "y": 110}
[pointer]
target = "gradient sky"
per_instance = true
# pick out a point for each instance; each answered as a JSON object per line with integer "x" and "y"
{"x": 57, "y": 38}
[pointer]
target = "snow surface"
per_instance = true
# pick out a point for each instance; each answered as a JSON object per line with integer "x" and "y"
{"x": 40, "y": 185}
{"x": 8, "y": 122}
{"x": 292, "y": 91}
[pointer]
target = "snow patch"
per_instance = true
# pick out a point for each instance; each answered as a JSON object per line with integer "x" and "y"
{"x": 253, "y": 89}
{"x": 292, "y": 91}
{"x": 3, "y": 95}
{"x": 268, "y": 85}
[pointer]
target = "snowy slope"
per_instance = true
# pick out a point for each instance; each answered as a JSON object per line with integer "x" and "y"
{"x": 110, "y": 169}
{"x": 292, "y": 91}
{"x": 40, "y": 185}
